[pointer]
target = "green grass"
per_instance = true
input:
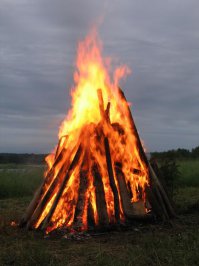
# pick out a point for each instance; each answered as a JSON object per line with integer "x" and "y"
{"x": 189, "y": 173}
{"x": 152, "y": 244}
{"x": 19, "y": 180}
{"x": 146, "y": 244}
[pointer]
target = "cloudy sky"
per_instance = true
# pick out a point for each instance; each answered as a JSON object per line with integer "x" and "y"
{"x": 158, "y": 39}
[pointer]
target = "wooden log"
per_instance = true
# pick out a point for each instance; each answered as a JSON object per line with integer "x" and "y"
{"x": 58, "y": 146}
{"x": 40, "y": 192}
{"x": 152, "y": 198}
{"x": 32, "y": 206}
{"x": 90, "y": 216}
{"x": 83, "y": 186}
{"x": 50, "y": 191}
{"x": 74, "y": 162}
{"x": 162, "y": 192}
{"x": 143, "y": 155}
{"x": 160, "y": 176}
{"x": 103, "y": 220}
{"x": 124, "y": 194}
{"x": 165, "y": 214}
{"x": 133, "y": 127}
{"x": 132, "y": 211}
{"x": 112, "y": 179}
{"x": 46, "y": 197}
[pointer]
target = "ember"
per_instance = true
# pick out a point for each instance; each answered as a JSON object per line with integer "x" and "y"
{"x": 98, "y": 175}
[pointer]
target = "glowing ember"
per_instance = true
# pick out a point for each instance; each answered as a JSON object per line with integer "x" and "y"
{"x": 97, "y": 160}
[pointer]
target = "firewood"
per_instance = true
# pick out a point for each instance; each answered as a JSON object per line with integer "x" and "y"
{"x": 90, "y": 214}
{"x": 83, "y": 186}
{"x": 100, "y": 197}
{"x": 48, "y": 195}
{"x": 58, "y": 146}
{"x": 162, "y": 192}
{"x": 132, "y": 211}
{"x": 40, "y": 192}
{"x": 32, "y": 206}
{"x": 63, "y": 185}
{"x": 160, "y": 176}
{"x": 133, "y": 127}
{"x": 153, "y": 200}
{"x": 143, "y": 155}
{"x": 112, "y": 179}
{"x": 124, "y": 194}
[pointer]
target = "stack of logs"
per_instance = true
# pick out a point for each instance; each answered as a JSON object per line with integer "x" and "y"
{"x": 156, "y": 197}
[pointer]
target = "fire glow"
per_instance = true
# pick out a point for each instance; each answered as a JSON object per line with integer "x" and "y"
{"x": 97, "y": 156}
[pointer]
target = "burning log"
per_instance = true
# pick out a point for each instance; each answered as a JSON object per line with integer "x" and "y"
{"x": 144, "y": 158}
{"x": 40, "y": 192}
{"x": 90, "y": 215}
{"x": 132, "y": 211}
{"x": 82, "y": 201}
{"x": 133, "y": 127}
{"x": 112, "y": 179}
{"x": 63, "y": 185}
{"x": 103, "y": 220}
{"x": 48, "y": 194}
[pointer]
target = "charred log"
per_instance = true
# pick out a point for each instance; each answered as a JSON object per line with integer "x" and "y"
{"x": 100, "y": 197}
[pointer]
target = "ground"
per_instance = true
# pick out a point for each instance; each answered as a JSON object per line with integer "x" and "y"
{"x": 142, "y": 244}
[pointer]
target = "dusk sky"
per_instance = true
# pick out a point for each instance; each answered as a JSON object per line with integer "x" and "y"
{"x": 158, "y": 40}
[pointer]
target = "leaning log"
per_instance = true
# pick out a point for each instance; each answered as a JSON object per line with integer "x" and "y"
{"x": 143, "y": 155}
{"x": 82, "y": 201}
{"x": 103, "y": 220}
{"x": 40, "y": 191}
{"x": 90, "y": 214}
{"x": 48, "y": 195}
{"x": 112, "y": 179}
{"x": 162, "y": 192}
{"x": 132, "y": 211}
{"x": 74, "y": 162}
{"x": 133, "y": 127}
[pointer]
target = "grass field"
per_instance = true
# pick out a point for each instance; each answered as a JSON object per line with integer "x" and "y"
{"x": 144, "y": 244}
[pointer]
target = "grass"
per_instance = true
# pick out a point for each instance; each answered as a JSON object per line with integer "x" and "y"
{"x": 189, "y": 170}
{"x": 146, "y": 244}
{"x": 19, "y": 180}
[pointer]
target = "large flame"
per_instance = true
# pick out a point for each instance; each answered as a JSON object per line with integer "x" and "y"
{"x": 80, "y": 126}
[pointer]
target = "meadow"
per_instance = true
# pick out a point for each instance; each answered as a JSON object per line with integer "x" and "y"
{"x": 142, "y": 244}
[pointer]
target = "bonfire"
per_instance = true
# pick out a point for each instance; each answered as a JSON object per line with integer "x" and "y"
{"x": 98, "y": 175}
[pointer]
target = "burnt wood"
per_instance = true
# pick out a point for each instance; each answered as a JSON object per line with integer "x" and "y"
{"x": 90, "y": 214}
{"x": 100, "y": 197}
{"x": 40, "y": 192}
{"x": 63, "y": 185}
{"x": 112, "y": 179}
{"x": 83, "y": 186}
{"x": 48, "y": 194}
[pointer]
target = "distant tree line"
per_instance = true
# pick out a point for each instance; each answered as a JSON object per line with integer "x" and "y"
{"x": 177, "y": 154}
{"x": 24, "y": 158}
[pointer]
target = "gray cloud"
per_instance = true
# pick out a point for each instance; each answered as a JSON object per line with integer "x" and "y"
{"x": 159, "y": 40}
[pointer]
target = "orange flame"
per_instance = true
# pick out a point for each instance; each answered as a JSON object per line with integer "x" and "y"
{"x": 92, "y": 74}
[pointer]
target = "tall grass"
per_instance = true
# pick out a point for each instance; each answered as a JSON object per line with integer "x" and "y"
{"x": 189, "y": 173}
{"x": 19, "y": 180}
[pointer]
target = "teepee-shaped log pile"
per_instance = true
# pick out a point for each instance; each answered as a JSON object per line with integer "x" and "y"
{"x": 87, "y": 187}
